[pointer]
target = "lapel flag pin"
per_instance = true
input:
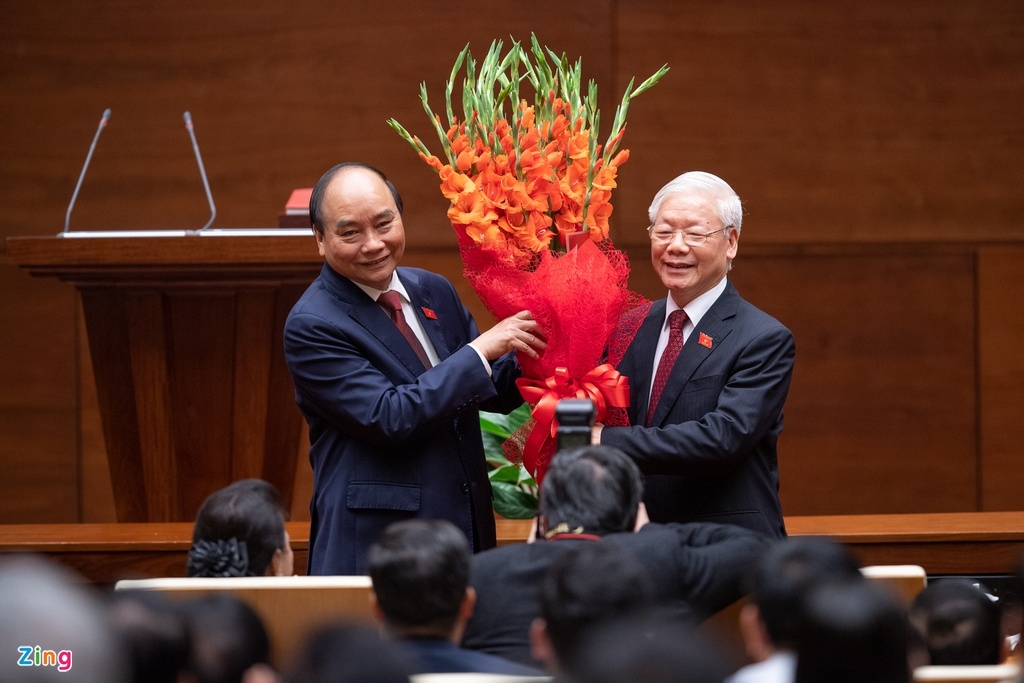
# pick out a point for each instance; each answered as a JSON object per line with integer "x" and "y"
{"x": 429, "y": 313}
{"x": 704, "y": 340}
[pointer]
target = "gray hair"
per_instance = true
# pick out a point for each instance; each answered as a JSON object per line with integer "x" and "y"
{"x": 730, "y": 210}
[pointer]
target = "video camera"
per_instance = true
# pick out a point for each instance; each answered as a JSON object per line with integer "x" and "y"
{"x": 575, "y": 418}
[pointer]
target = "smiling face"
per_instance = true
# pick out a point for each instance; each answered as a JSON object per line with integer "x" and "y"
{"x": 362, "y": 236}
{"x": 688, "y": 271}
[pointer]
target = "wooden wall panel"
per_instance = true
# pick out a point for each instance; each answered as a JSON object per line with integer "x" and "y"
{"x": 860, "y": 121}
{"x": 1001, "y": 369}
{"x": 881, "y": 415}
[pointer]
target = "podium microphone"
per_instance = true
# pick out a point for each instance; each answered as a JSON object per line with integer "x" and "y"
{"x": 202, "y": 170}
{"x": 88, "y": 158}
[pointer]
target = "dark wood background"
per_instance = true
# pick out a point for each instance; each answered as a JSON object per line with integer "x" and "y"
{"x": 878, "y": 147}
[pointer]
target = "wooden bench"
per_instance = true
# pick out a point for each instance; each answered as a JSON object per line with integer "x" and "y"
{"x": 965, "y": 543}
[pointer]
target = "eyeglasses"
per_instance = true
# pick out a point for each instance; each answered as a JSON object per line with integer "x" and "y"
{"x": 692, "y": 238}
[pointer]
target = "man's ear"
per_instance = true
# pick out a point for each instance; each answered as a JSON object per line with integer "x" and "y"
{"x": 540, "y": 644}
{"x": 468, "y": 604}
{"x": 320, "y": 241}
{"x": 756, "y": 641}
{"x": 378, "y": 613}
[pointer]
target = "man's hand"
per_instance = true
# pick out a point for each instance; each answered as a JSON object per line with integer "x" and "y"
{"x": 518, "y": 332}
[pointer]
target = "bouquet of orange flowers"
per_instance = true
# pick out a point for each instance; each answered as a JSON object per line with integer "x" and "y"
{"x": 530, "y": 200}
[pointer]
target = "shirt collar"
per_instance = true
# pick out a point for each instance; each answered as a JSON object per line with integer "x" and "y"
{"x": 696, "y": 309}
{"x": 396, "y": 285}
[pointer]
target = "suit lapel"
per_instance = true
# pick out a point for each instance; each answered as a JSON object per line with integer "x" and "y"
{"x": 422, "y": 300}
{"x": 374, "y": 319}
{"x": 715, "y": 325}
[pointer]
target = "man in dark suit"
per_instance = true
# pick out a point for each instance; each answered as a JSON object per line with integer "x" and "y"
{"x": 708, "y": 372}
{"x": 391, "y": 396}
{"x": 593, "y": 494}
{"x": 422, "y": 598}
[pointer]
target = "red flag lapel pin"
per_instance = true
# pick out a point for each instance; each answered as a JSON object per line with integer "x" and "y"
{"x": 429, "y": 312}
{"x": 704, "y": 340}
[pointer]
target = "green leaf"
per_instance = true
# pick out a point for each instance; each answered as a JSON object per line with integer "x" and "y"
{"x": 508, "y": 473}
{"x": 512, "y": 502}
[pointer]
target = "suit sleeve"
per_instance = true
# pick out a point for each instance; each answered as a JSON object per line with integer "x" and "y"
{"x": 342, "y": 374}
{"x": 704, "y": 564}
{"x": 748, "y": 407}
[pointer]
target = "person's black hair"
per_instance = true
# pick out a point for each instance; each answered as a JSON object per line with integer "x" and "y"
{"x": 591, "y": 489}
{"x": 153, "y": 632}
{"x": 785, "y": 574}
{"x": 227, "y": 637}
{"x": 958, "y": 623}
{"x": 652, "y": 649}
{"x": 853, "y": 631}
{"x": 237, "y": 530}
{"x": 348, "y": 653}
{"x": 420, "y": 572}
{"x": 316, "y": 199}
{"x": 586, "y": 587}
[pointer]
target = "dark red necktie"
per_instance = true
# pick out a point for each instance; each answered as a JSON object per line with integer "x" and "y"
{"x": 676, "y": 320}
{"x": 391, "y": 301}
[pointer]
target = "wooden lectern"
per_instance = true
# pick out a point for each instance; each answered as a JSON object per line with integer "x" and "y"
{"x": 185, "y": 332}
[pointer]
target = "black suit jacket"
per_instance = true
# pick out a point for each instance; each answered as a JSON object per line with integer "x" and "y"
{"x": 389, "y": 439}
{"x": 696, "y": 570}
{"x": 710, "y": 454}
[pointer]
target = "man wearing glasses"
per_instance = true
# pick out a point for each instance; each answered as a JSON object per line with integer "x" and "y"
{"x": 708, "y": 372}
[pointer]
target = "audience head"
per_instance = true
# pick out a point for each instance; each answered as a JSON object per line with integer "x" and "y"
{"x": 958, "y": 623}
{"x": 154, "y": 633}
{"x": 228, "y": 642}
{"x": 781, "y": 580}
{"x": 585, "y": 588}
{"x": 349, "y": 653}
{"x": 652, "y": 650}
{"x": 420, "y": 574}
{"x": 239, "y": 531}
{"x": 44, "y": 606}
{"x": 590, "y": 489}
{"x": 853, "y": 631}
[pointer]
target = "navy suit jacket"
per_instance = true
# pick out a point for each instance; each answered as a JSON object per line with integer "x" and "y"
{"x": 435, "y": 655}
{"x": 389, "y": 439}
{"x": 710, "y": 454}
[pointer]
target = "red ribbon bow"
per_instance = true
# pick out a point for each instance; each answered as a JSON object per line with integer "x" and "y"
{"x": 604, "y": 385}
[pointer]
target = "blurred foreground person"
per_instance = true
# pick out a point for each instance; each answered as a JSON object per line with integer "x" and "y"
{"x": 853, "y": 632}
{"x": 348, "y": 653}
{"x": 53, "y": 629}
{"x": 228, "y": 641}
{"x": 771, "y": 621}
{"x": 959, "y": 624}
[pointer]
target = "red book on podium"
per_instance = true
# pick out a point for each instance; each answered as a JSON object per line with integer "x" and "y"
{"x": 296, "y": 209}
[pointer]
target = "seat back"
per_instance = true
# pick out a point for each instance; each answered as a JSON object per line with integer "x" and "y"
{"x": 905, "y": 580}
{"x": 995, "y": 673}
